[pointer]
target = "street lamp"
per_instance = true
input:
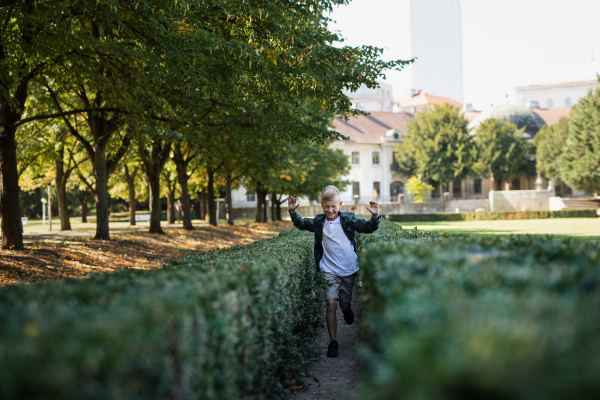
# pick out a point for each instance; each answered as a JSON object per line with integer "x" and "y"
{"x": 48, "y": 181}
{"x": 44, "y": 211}
{"x": 538, "y": 183}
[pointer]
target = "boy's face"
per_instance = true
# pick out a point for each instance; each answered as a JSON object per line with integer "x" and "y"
{"x": 331, "y": 208}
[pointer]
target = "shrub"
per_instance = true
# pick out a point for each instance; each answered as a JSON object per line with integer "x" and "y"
{"x": 224, "y": 324}
{"x": 493, "y": 215}
{"x": 505, "y": 318}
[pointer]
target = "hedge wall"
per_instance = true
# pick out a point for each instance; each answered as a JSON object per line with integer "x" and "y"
{"x": 226, "y": 324}
{"x": 493, "y": 215}
{"x": 505, "y": 318}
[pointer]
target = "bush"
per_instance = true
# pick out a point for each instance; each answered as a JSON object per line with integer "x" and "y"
{"x": 493, "y": 215}
{"x": 222, "y": 325}
{"x": 504, "y": 318}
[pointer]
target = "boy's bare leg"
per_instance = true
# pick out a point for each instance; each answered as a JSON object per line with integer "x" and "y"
{"x": 331, "y": 320}
{"x": 344, "y": 306}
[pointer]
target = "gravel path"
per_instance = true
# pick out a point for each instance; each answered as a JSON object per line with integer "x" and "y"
{"x": 334, "y": 378}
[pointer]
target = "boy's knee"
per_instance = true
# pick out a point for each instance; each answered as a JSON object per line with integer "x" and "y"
{"x": 332, "y": 303}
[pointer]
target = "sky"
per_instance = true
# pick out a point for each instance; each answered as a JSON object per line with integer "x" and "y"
{"x": 505, "y": 43}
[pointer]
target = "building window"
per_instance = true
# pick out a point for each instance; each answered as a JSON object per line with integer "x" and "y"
{"x": 477, "y": 186}
{"x": 355, "y": 189}
{"x": 355, "y": 157}
{"x": 375, "y": 157}
{"x": 251, "y": 197}
{"x": 376, "y": 190}
{"x": 394, "y": 166}
{"x": 396, "y": 188}
{"x": 568, "y": 102}
{"x": 550, "y": 103}
{"x": 456, "y": 189}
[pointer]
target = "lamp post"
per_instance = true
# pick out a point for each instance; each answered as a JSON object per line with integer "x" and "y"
{"x": 538, "y": 183}
{"x": 48, "y": 180}
{"x": 44, "y": 211}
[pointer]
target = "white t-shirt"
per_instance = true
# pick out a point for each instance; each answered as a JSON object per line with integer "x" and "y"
{"x": 339, "y": 257}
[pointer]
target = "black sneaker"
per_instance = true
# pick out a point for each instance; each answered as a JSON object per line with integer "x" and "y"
{"x": 349, "y": 316}
{"x": 332, "y": 349}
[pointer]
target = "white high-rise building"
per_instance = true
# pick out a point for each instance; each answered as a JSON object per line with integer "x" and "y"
{"x": 430, "y": 31}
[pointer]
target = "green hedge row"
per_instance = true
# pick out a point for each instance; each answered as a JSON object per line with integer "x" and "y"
{"x": 226, "y": 324}
{"x": 505, "y": 318}
{"x": 493, "y": 215}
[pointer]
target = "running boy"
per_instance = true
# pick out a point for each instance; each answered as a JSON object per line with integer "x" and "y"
{"x": 335, "y": 252}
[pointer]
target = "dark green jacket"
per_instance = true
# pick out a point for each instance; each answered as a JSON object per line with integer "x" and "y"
{"x": 351, "y": 224}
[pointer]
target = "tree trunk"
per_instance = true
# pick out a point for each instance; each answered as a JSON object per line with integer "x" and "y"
{"x": 261, "y": 203}
{"x": 12, "y": 235}
{"x": 154, "y": 201}
{"x": 130, "y": 179}
{"x": 204, "y": 205}
{"x": 210, "y": 189}
{"x": 84, "y": 211}
{"x": 154, "y": 161}
{"x": 170, "y": 206}
{"x": 273, "y": 207}
{"x": 229, "y": 198}
{"x": 278, "y": 209}
{"x": 182, "y": 177}
{"x": 61, "y": 178}
{"x": 198, "y": 207}
{"x": 102, "y": 202}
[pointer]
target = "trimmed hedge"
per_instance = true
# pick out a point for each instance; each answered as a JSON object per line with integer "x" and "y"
{"x": 226, "y": 324}
{"x": 503, "y": 318}
{"x": 493, "y": 215}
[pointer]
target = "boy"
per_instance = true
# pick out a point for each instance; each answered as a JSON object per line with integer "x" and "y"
{"x": 335, "y": 252}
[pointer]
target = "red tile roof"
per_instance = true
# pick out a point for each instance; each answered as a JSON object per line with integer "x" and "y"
{"x": 371, "y": 128}
{"x": 421, "y": 99}
{"x": 552, "y": 115}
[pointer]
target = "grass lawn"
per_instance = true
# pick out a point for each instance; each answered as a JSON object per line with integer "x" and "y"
{"x": 580, "y": 228}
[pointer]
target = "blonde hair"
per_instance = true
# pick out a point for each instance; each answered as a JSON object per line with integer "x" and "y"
{"x": 330, "y": 192}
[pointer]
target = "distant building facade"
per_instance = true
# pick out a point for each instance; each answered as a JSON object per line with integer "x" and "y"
{"x": 560, "y": 87}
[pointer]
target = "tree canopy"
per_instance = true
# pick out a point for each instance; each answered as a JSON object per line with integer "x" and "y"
{"x": 196, "y": 66}
{"x": 501, "y": 151}
{"x": 438, "y": 145}
{"x": 579, "y": 162}
{"x": 549, "y": 143}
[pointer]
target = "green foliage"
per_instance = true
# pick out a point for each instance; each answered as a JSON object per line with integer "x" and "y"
{"x": 505, "y": 318}
{"x": 438, "y": 145}
{"x": 501, "y": 150}
{"x": 494, "y": 215}
{"x": 549, "y": 143}
{"x": 418, "y": 188}
{"x": 226, "y": 324}
{"x": 579, "y": 163}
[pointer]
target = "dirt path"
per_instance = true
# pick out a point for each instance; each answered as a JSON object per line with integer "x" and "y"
{"x": 334, "y": 378}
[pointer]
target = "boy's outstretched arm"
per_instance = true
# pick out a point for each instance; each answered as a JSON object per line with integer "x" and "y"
{"x": 304, "y": 224}
{"x": 370, "y": 226}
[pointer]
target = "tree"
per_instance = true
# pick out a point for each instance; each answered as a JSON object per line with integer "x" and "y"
{"x": 418, "y": 188}
{"x": 501, "y": 152}
{"x": 152, "y": 59}
{"x": 437, "y": 146}
{"x": 549, "y": 143}
{"x": 579, "y": 163}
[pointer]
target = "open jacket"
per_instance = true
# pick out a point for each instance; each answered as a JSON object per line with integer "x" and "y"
{"x": 351, "y": 224}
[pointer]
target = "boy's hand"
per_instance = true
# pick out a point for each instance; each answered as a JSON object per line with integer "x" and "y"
{"x": 293, "y": 204}
{"x": 373, "y": 208}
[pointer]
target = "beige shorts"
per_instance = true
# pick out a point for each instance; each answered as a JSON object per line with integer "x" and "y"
{"x": 340, "y": 286}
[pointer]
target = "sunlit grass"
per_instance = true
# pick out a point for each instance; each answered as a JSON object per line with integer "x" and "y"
{"x": 580, "y": 228}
